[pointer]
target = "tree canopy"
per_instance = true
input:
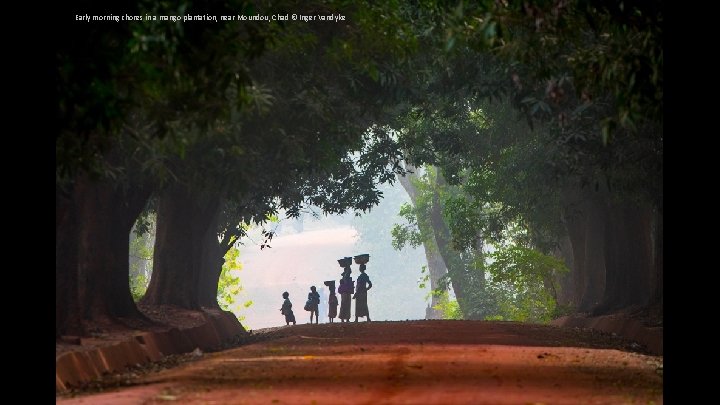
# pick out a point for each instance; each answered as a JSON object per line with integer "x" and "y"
{"x": 535, "y": 130}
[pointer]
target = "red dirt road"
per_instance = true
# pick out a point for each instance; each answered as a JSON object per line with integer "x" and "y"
{"x": 417, "y": 362}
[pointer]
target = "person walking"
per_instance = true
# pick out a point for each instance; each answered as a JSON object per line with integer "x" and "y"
{"x": 346, "y": 289}
{"x": 286, "y": 309}
{"x": 360, "y": 297}
{"x": 332, "y": 304}
{"x": 312, "y": 304}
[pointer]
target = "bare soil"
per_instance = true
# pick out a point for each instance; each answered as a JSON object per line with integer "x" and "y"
{"x": 415, "y": 362}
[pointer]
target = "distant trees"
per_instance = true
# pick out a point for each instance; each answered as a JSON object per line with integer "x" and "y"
{"x": 425, "y": 236}
{"x": 580, "y": 176}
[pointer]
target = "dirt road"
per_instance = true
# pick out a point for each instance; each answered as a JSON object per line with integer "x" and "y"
{"x": 417, "y": 362}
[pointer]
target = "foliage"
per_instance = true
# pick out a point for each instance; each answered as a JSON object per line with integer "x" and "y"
{"x": 516, "y": 288}
{"x": 503, "y": 172}
{"x": 406, "y": 233}
{"x": 449, "y": 308}
{"x": 565, "y": 56}
{"x": 500, "y": 278}
{"x": 142, "y": 238}
{"x": 298, "y": 140}
{"x": 229, "y": 287}
{"x": 138, "y": 285}
{"x": 424, "y": 278}
{"x": 522, "y": 279}
{"x": 512, "y": 106}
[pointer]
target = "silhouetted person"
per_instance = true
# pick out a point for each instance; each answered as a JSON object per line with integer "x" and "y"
{"x": 332, "y": 300}
{"x": 346, "y": 289}
{"x": 332, "y": 305}
{"x": 360, "y": 297}
{"x": 287, "y": 309}
{"x": 313, "y": 302}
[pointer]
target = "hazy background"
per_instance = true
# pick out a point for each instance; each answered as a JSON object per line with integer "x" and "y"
{"x": 304, "y": 252}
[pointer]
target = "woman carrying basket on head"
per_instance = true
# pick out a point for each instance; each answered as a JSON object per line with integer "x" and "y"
{"x": 346, "y": 289}
{"x": 360, "y": 297}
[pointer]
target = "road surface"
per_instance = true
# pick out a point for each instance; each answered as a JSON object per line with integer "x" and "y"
{"x": 415, "y": 362}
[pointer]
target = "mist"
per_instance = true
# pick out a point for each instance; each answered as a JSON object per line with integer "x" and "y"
{"x": 304, "y": 252}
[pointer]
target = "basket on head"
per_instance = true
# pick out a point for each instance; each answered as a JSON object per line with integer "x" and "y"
{"x": 330, "y": 284}
{"x": 362, "y": 259}
{"x": 345, "y": 262}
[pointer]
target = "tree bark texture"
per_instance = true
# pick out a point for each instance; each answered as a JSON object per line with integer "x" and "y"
{"x": 657, "y": 297}
{"x": 92, "y": 249}
{"x": 566, "y": 292}
{"x": 183, "y": 219}
{"x": 109, "y": 213}
{"x": 628, "y": 257}
{"x": 212, "y": 261}
{"x": 585, "y": 215}
{"x": 68, "y": 316}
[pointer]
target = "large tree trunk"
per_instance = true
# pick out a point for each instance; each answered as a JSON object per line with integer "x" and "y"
{"x": 594, "y": 255}
{"x": 585, "y": 216}
{"x": 436, "y": 269}
{"x": 455, "y": 264}
{"x": 91, "y": 253}
{"x": 575, "y": 221}
{"x": 628, "y": 250}
{"x": 656, "y": 301}
{"x": 68, "y": 317}
{"x": 212, "y": 261}
{"x": 108, "y": 214}
{"x": 183, "y": 220}
{"x": 566, "y": 293}
{"x": 436, "y": 266}
{"x": 453, "y": 260}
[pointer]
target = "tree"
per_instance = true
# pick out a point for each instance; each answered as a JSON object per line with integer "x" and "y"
{"x": 117, "y": 88}
{"x": 436, "y": 267}
{"x": 587, "y": 80}
{"x": 427, "y": 225}
{"x": 204, "y": 116}
{"x": 258, "y": 160}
